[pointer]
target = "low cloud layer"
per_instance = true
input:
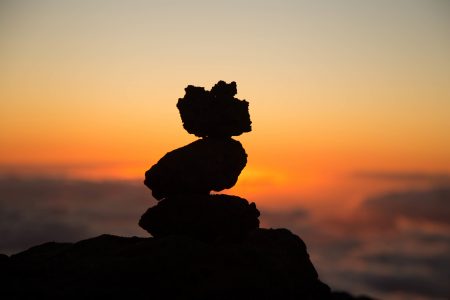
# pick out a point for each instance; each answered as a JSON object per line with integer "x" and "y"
{"x": 432, "y": 205}
{"x": 38, "y": 210}
{"x": 393, "y": 246}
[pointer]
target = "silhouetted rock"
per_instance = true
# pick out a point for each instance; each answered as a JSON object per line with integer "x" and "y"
{"x": 209, "y": 164}
{"x": 214, "y": 113}
{"x": 205, "y": 246}
{"x": 4, "y": 261}
{"x": 206, "y": 217}
{"x": 269, "y": 264}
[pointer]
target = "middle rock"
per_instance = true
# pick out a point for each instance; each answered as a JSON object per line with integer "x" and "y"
{"x": 208, "y": 164}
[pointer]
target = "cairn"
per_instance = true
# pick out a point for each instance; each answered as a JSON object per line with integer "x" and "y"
{"x": 182, "y": 180}
{"x": 205, "y": 246}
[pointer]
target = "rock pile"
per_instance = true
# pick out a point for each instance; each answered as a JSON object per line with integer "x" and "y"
{"x": 238, "y": 260}
{"x": 183, "y": 179}
{"x": 206, "y": 247}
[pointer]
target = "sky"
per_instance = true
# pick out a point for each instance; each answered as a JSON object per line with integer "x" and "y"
{"x": 349, "y": 101}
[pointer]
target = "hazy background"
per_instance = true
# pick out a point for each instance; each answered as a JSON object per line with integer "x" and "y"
{"x": 350, "y": 103}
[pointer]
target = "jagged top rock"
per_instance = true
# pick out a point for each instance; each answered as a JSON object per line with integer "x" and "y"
{"x": 215, "y": 113}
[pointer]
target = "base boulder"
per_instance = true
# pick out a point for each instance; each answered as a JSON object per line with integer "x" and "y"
{"x": 205, "y": 217}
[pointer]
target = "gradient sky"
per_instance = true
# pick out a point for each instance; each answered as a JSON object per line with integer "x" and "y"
{"x": 350, "y": 103}
{"x": 88, "y": 88}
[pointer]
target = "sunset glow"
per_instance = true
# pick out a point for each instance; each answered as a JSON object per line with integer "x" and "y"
{"x": 349, "y": 100}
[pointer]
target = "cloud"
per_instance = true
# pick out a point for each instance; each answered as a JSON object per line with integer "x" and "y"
{"x": 392, "y": 244}
{"x": 404, "y": 241}
{"x": 399, "y": 286}
{"x": 37, "y": 210}
{"x": 281, "y": 218}
{"x": 431, "y": 205}
{"x": 405, "y": 262}
{"x": 437, "y": 178}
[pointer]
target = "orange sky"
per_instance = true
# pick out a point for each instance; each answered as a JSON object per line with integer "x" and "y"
{"x": 88, "y": 88}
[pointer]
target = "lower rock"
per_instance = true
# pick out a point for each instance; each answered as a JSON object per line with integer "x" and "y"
{"x": 206, "y": 217}
{"x": 268, "y": 264}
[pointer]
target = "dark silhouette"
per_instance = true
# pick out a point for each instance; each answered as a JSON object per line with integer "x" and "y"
{"x": 185, "y": 177}
{"x": 208, "y": 164}
{"x": 268, "y": 264}
{"x": 205, "y": 217}
{"x": 203, "y": 247}
{"x": 214, "y": 113}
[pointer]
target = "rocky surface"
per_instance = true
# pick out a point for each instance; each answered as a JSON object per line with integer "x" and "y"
{"x": 214, "y": 113}
{"x": 209, "y": 164}
{"x": 269, "y": 264}
{"x": 205, "y": 217}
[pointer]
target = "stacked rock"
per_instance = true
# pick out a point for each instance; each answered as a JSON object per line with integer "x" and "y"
{"x": 182, "y": 180}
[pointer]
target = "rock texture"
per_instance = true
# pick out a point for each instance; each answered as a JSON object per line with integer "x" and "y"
{"x": 210, "y": 164}
{"x": 214, "y": 113}
{"x": 205, "y": 217}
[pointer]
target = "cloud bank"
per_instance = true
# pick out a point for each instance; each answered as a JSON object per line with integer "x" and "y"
{"x": 36, "y": 210}
{"x": 393, "y": 246}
